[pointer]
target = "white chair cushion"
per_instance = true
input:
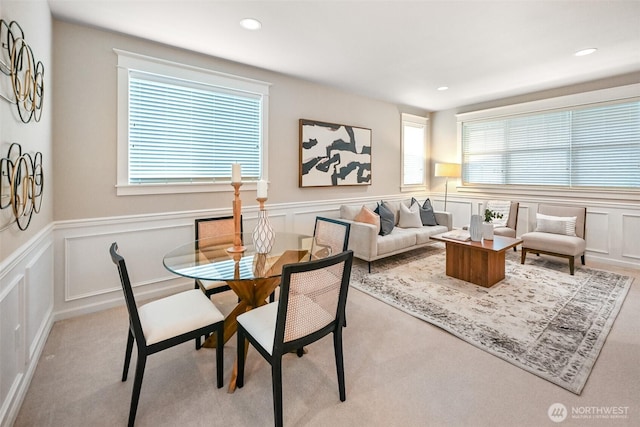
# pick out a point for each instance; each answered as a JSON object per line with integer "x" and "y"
{"x": 260, "y": 323}
{"x": 177, "y": 314}
{"x": 502, "y": 207}
{"x": 557, "y": 243}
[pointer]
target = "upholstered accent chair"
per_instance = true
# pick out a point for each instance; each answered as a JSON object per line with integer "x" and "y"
{"x": 311, "y": 305}
{"x": 164, "y": 323}
{"x": 509, "y": 223}
{"x": 560, "y": 231}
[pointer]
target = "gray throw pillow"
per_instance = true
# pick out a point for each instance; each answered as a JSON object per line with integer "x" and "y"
{"x": 427, "y": 215}
{"x": 387, "y": 219}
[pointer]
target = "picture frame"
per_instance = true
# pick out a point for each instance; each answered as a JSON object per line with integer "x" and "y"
{"x": 334, "y": 154}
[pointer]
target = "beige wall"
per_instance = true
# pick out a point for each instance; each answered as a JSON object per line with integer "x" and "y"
{"x": 85, "y": 129}
{"x": 35, "y": 20}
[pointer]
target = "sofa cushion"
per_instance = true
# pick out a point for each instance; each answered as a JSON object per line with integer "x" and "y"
{"x": 387, "y": 219}
{"x": 556, "y": 224}
{"x": 409, "y": 216}
{"x": 368, "y": 216}
{"x": 398, "y": 239}
{"x": 427, "y": 214}
{"x": 423, "y": 234}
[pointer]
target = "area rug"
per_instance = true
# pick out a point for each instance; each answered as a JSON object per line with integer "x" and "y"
{"x": 539, "y": 318}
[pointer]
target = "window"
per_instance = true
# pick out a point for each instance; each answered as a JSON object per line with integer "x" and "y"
{"x": 180, "y": 128}
{"x": 593, "y": 145}
{"x": 414, "y": 151}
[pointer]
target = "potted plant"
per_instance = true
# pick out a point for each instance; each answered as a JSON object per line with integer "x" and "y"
{"x": 487, "y": 226}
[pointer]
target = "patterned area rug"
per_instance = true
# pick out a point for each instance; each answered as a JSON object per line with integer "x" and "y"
{"x": 539, "y": 318}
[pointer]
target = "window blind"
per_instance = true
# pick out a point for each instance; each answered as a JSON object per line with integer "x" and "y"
{"x": 593, "y": 146}
{"x": 182, "y": 131}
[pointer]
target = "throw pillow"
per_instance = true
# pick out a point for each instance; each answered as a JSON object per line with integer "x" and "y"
{"x": 368, "y": 216}
{"x": 502, "y": 207}
{"x": 427, "y": 215}
{"x": 556, "y": 224}
{"x": 410, "y": 216}
{"x": 393, "y": 207}
{"x": 387, "y": 220}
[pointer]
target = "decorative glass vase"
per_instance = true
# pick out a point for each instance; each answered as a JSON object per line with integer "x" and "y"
{"x": 475, "y": 228}
{"x": 263, "y": 235}
{"x": 487, "y": 231}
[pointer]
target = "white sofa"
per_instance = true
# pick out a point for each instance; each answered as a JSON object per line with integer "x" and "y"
{"x": 369, "y": 246}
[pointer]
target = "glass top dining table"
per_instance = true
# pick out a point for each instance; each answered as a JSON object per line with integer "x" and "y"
{"x": 208, "y": 259}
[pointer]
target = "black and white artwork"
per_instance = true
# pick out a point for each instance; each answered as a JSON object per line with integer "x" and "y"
{"x": 333, "y": 154}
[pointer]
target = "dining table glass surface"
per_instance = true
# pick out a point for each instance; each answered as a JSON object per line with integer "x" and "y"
{"x": 208, "y": 259}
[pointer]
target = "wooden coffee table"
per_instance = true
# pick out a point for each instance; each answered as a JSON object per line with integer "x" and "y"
{"x": 481, "y": 263}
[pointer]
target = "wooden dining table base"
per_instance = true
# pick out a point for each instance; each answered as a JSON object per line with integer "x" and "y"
{"x": 252, "y": 294}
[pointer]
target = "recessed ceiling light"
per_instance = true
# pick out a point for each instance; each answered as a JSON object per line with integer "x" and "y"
{"x": 250, "y": 24}
{"x": 585, "y": 52}
{"x": 441, "y": 88}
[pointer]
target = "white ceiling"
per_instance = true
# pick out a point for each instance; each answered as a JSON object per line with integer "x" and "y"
{"x": 397, "y": 51}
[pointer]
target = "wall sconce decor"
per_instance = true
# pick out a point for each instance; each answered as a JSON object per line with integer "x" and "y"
{"x": 21, "y": 185}
{"x": 27, "y": 75}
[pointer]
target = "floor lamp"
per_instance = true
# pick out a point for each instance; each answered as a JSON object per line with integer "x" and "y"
{"x": 447, "y": 170}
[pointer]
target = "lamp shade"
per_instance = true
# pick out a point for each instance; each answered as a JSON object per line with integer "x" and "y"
{"x": 449, "y": 170}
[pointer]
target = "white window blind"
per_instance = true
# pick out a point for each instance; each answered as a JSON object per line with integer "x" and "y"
{"x": 414, "y": 150}
{"x": 181, "y": 131}
{"x": 593, "y": 146}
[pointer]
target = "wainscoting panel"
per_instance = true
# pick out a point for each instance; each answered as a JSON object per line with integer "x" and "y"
{"x": 89, "y": 270}
{"x": 39, "y": 296}
{"x": 630, "y": 237}
{"x": 597, "y": 235}
{"x": 12, "y": 343}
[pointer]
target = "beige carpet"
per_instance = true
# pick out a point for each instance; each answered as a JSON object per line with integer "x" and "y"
{"x": 400, "y": 371}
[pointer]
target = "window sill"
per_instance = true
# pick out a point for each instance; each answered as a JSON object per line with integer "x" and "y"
{"x": 173, "y": 188}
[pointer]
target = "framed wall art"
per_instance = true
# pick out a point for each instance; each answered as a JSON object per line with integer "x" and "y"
{"x": 333, "y": 154}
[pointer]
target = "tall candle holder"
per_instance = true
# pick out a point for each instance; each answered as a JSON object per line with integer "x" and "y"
{"x": 237, "y": 213}
{"x": 263, "y": 235}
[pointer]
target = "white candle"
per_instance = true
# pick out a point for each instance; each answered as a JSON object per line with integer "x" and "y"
{"x": 262, "y": 189}
{"x": 236, "y": 172}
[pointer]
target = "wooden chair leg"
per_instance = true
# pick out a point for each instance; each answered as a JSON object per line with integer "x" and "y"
{"x": 582, "y": 258}
{"x": 127, "y": 356}
{"x": 276, "y": 380}
{"x": 571, "y": 265}
{"x": 523, "y": 255}
{"x": 137, "y": 385}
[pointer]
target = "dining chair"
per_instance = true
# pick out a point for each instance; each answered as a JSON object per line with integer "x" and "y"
{"x": 165, "y": 323}
{"x": 211, "y": 234}
{"x": 311, "y": 305}
{"x": 330, "y": 237}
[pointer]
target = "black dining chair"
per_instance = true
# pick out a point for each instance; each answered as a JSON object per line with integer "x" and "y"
{"x": 164, "y": 323}
{"x": 212, "y": 234}
{"x": 311, "y": 305}
{"x": 330, "y": 237}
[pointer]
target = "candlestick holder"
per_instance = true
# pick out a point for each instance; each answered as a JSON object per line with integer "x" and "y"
{"x": 237, "y": 213}
{"x": 263, "y": 235}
